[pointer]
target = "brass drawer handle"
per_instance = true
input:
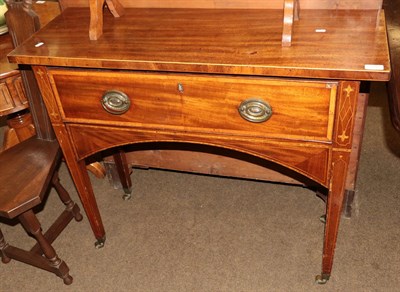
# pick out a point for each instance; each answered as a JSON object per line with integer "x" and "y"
{"x": 115, "y": 102}
{"x": 255, "y": 110}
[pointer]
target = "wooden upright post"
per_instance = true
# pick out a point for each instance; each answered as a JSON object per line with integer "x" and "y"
{"x": 290, "y": 13}
{"x": 96, "y": 15}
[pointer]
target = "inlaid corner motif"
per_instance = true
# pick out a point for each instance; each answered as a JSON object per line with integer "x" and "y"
{"x": 47, "y": 95}
{"x": 54, "y": 115}
{"x": 346, "y": 114}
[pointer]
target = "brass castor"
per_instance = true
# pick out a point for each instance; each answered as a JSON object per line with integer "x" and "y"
{"x": 100, "y": 243}
{"x": 322, "y": 279}
{"x": 322, "y": 218}
{"x": 127, "y": 196}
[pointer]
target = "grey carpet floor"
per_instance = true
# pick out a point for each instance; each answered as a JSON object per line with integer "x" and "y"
{"x": 185, "y": 232}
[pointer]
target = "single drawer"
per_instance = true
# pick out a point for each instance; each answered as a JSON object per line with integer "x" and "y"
{"x": 299, "y": 110}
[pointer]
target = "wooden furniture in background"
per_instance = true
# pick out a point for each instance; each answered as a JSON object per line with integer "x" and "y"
{"x": 23, "y": 22}
{"x": 6, "y": 47}
{"x": 291, "y": 9}
{"x": 96, "y": 15}
{"x": 393, "y": 25}
{"x": 13, "y": 101}
{"x": 23, "y": 187}
{"x": 290, "y": 14}
{"x": 160, "y": 77}
{"x": 13, "y": 104}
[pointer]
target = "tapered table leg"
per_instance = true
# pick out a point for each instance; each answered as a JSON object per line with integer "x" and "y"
{"x": 333, "y": 212}
{"x": 123, "y": 170}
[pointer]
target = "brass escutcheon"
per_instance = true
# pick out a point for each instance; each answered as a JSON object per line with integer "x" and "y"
{"x": 255, "y": 110}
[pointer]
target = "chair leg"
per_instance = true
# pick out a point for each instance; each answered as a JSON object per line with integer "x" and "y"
{"x": 59, "y": 267}
{"x": 71, "y": 211}
{"x": 3, "y": 245}
{"x": 65, "y": 198}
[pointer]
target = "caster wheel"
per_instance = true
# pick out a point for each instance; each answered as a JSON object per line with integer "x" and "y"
{"x": 99, "y": 243}
{"x": 321, "y": 279}
{"x": 126, "y": 196}
{"x": 322, "y": 218}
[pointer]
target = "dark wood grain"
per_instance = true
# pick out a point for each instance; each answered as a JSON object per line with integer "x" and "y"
{"x": 187, "y": 40}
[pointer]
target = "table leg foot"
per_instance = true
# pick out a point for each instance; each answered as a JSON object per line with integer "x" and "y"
{"x": 322, "y": 279}
{"x": 128, "y": 194}
{"x": 100, "y": 242}
{"x": 322, "y": 218}
{"x": 124, "y": 172}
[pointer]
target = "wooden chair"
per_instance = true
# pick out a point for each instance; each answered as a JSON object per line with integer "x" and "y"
{"x": 23, "y": 187}
{"x": 29, "y": 169}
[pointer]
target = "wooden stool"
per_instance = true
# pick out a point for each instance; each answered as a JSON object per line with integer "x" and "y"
{"x": 27, "y": 171}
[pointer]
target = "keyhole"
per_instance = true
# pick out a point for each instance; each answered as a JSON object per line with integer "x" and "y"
{"x": 180, "y": 87}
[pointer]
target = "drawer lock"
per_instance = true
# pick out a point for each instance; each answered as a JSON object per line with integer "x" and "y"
{"x": 255, "y": 110}
{"x": 115, "y": 102}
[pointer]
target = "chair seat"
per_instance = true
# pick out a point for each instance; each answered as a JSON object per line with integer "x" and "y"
{"x": 25, "y": 174}
{"x": 27, "y": 171}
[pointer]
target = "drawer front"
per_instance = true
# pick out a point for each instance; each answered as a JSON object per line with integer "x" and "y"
{"x": 300, "y": 110}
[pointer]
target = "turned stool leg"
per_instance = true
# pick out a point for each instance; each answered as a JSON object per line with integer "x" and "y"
{"x": 65, "y": 198}
{"x": 32, "y": 225}
{"x": 3, "y": 245}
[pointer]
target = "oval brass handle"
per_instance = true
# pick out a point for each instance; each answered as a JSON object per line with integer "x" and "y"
{"x": 255, "y": 110}
{"x": 115, "y": 102}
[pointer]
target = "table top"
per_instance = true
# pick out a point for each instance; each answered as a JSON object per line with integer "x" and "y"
{"x": 333, "y": 44}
